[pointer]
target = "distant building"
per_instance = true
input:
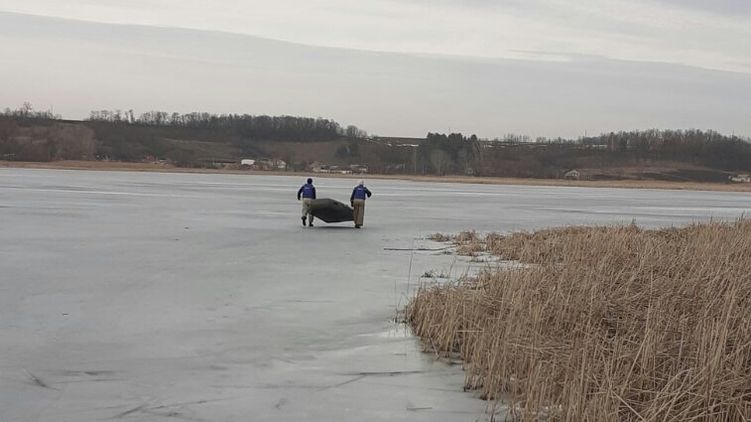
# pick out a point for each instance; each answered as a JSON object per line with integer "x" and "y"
{"x": 270, "y": 164}
{"x": 247, "y": 162}
{"x": 572, "y": 175}
{"x": 339, "y": 170}
{"x": 318, "y": 167}
{"x": 740, "y": 178}
{"x": 358, "y": 168}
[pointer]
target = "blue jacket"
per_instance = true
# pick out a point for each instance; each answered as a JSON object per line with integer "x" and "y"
{"x": 307, "y": 191}
{"x": 359, "y": 192}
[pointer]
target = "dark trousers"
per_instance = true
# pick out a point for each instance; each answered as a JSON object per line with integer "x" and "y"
{"x": 359, "y": 211}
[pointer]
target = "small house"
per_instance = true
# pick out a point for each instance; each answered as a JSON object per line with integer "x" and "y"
{"x": 740, "y": 178}
{"x": 572, "y": 175}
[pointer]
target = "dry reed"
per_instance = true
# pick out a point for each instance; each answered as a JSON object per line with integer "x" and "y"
{"x": 440, "y": 237}
{"x": 610, "y": 324}
{"x": 469, "y": 243}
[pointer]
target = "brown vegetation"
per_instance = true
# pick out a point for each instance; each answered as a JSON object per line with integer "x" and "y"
{"x": 52, "y": 141}
{"x": 606, "y": 324}
{"x": 440, "y": 237}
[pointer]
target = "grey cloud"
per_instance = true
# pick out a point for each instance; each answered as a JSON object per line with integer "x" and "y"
{"x": 77, "y": 66}
{"x": 724, "y": 7}
{"x": 507, "y": 5}
{"x": 716, "y": 6}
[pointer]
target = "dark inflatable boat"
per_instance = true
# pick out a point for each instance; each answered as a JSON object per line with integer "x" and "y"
{"x": 330, "y": 211}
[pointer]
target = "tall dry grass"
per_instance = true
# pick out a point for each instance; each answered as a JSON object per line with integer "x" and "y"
{"x": 609, "y": 324}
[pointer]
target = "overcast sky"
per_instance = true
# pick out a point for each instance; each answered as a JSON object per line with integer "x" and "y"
{"x": 593, "y": 46}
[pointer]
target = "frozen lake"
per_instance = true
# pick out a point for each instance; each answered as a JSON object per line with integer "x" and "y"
{"x": 145, "y": 296}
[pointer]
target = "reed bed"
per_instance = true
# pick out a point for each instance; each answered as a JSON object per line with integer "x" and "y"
{"x": 608, "y": 324}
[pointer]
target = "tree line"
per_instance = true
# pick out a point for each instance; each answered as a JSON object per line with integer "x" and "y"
{"x": 123, "y": 135}
{"x": 260, "y": 127}
{"x": 517, "y": 156}
{"x": 194, "y": 138}
{"x": 26, "y": 112}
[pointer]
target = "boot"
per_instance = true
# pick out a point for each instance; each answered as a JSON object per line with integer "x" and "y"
{"x": 310, "y": 223}
{"x": 303, "y": 221}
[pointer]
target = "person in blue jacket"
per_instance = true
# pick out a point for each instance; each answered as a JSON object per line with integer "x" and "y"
{"x": 357, "y": 200}
{"x": 308, "y": 194}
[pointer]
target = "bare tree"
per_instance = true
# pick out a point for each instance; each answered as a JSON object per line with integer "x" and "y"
{"x": 440, "y": 161}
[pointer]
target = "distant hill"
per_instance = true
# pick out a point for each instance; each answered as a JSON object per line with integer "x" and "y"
{"x": 304, "y": 144}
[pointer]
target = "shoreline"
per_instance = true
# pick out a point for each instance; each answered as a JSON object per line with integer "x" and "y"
{"x": 160, "y": 168}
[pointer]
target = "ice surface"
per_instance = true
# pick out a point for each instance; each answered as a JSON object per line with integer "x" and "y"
{"x": 138, "y": 296}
